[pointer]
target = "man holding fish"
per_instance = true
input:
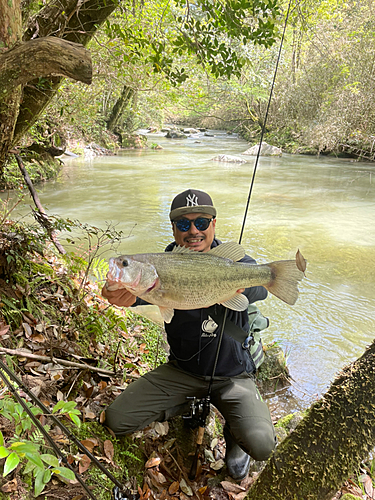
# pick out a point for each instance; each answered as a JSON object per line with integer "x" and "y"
{"x": 191, "y": 282}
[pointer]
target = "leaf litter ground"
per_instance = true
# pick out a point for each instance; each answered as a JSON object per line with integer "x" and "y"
{"x": 55, "y": 320}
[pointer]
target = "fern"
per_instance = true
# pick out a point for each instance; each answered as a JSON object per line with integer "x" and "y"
{"x": 99, "y": 268}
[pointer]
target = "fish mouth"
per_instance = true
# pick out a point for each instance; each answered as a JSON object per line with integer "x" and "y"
{"x": 155, "y": 283}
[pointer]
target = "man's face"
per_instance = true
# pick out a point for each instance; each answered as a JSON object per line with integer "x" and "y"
{"x": 200, "y": 241}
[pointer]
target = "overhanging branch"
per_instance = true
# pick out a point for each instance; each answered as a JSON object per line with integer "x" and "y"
{"x": 43, "y": 57}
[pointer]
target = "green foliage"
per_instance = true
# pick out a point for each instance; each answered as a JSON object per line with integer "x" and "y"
{"x": 25, "y": 447}
{"x": 99, "y": 268}
{"x": 211, "y": 31}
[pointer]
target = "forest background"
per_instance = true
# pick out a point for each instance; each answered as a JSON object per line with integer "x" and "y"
{"x": 156, "y": 62}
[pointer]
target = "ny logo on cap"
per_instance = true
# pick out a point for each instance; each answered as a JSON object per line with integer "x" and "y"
{"x": 192, "y": 200}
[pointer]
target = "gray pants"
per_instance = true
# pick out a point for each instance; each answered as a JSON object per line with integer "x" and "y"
{"x": 161, "y": 394}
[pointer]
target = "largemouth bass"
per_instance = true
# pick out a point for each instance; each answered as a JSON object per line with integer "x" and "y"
{"x": 184, "y": 279}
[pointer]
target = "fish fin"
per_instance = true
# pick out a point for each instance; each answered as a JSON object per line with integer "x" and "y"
{"x": 286, "y": 276}
{"x": 238, "y": 303}
{"x": 230, "y": 250}
{"x": 166, "y": 313}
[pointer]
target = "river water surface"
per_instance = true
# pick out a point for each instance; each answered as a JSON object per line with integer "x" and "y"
{"x": 323, "y": 206}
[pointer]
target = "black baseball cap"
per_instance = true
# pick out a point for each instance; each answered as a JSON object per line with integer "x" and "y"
{"x": 191, "y": 201}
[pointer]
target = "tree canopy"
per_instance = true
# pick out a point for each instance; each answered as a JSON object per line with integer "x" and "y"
{"x": 211, "y": 31}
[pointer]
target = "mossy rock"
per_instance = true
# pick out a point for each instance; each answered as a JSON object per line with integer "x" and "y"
{"x": 130, "y": 141}
{"x": 273, "y": 373}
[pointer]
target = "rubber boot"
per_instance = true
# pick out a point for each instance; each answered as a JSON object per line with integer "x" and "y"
{"x": 237, "y": 461}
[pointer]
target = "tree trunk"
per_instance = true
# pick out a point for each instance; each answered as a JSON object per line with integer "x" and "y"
{"x": 77, "y": 24}
{"x": 72, "y": 20}
{"x": 330, "y": 442}
{"x": 10, "y": 34}
{"x": 119, "y": 108}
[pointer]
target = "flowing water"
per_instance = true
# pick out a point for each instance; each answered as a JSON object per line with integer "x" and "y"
{"x": 323, "y": 206}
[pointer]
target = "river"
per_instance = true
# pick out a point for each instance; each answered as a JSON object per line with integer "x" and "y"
{"x": 323, "y": 206}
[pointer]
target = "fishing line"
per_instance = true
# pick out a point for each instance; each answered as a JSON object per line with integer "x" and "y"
{"x": 264, "y": 124}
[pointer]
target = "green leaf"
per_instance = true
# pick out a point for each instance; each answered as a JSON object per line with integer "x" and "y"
{"x": 64, "y": 472}
{"x": 11, "y": 463}
{"x": 29, "y": 467}
{"x": 39, "y": 484}
{"x": 75, "y": 419}
{"x": 1, "y": 439}
{"x": 57, "y": 406}
{"x": 4, "y": 452}
{"x": 50, "y": 460}
{"x": 35, "y": 459}
{"x": 47, "y": 476}
{"x": 21, "y": 447}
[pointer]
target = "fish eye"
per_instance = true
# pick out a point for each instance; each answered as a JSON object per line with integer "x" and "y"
{"x": 125, "y": 263}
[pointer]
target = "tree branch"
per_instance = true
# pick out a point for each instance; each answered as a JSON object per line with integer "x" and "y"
{"x": 41, "y": 215}
{"x": 41, "y": 58}
{"x": 27, "y": 354}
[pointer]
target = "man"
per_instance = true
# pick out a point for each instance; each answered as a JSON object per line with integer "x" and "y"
{"x": 193, "y": 337}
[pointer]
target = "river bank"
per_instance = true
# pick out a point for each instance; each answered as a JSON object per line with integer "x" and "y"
{"x": 42, "y": 166}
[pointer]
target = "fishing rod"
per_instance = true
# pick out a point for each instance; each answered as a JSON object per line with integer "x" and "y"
{"x": 45, "y": 434}
{"x": 120, "y": 492}
{"x": 203, "y": 406}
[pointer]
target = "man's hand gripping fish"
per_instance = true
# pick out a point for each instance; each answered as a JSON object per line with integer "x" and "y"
{"x": 184, "y": 279}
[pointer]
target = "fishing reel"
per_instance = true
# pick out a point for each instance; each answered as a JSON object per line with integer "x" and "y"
{"x": 199, "y": 411}
{"x": 124, "y": 494}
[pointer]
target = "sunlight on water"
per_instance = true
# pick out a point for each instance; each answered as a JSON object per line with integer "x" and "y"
{"x": 323, "y": 206}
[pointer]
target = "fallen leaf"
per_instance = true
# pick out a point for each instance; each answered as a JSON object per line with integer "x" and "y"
{"x": 61, "y": 438}
{"x": 174, "y": 487}
{"x": 84, "y": 464}
{"x": 89, "y": 414}
{"x": 59, "y": 396}
{"x": 102, "y": 385}
{"x": 27, "y": 329}
{"x": 89, "y": 391}
{"x": 152, "y": 462}
{"x": 10, "y": 486}
{"x": 368, "y": 486}
{"x": 232, "y": 487}
{"x": 186, "y": 488}
{"x": 162, "y": 428}
{"x": 109, "y": 449}
{"x": 219, "y": 464}
{"x": 90, "y": 444}
{"x": 203, "y": 489}
{"x": 237, "y": 496}
{"x": 157, "y": 478}
{"x": 3, "y": 331}
{"x": 214, "y": 442}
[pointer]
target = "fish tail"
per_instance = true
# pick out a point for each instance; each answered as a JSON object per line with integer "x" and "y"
{"x": 285, "y": 277}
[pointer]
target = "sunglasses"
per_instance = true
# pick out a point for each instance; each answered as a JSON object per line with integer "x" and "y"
{"x": 201, "y": 223}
